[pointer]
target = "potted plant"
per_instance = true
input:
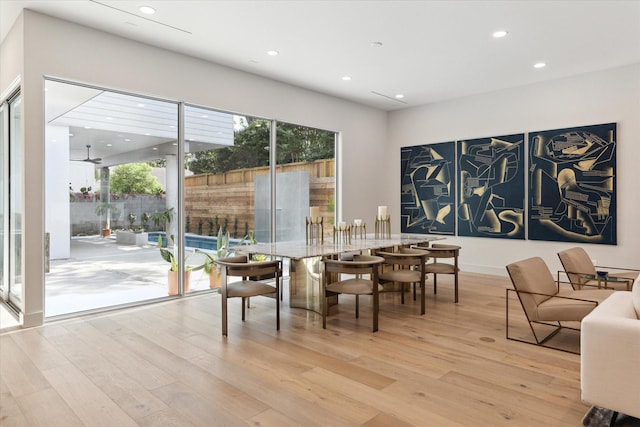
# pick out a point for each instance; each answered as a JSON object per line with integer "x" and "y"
{"x": 222, "y": 251}
{"x": 250, "y": 239}
{"x": 162, "y": 220}
{"x": 106, "y": 209}
{"x": 172, "y": 276}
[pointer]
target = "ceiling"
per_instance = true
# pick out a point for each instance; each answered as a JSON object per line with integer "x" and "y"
{"x": 429, "y": 51}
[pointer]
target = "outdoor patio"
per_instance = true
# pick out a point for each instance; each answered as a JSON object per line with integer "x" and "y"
{"x": 102, "y": 273}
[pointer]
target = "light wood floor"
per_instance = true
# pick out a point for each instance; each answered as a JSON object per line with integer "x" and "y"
{"x": 167, "y": 364}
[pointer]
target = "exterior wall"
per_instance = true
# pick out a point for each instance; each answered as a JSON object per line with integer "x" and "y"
{"x": 602, "y": 97}
{"x": 85, "y": 221}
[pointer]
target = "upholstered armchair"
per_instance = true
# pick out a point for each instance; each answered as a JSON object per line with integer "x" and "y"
{"x": 580, "y": 270}
{"x": 544, "y": 302}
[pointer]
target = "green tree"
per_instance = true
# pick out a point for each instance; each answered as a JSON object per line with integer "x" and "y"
{"x": 134, "y": 178}
{"x": 251, "y": 148}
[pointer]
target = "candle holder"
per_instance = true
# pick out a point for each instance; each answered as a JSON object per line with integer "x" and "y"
{"x": 359, "y": 230}
{"x": 383, "y": 227}
{"x": 313, "y": 230}
{"x": 342, "y": 234}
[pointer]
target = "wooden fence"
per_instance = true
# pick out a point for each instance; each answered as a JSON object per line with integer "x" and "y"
{"x": 227, "y": 199}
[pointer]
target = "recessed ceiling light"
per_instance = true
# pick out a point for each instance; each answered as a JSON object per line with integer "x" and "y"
{"x": 376, "y": 44}
{"x": 539, "y": 65}
{"x": 147, "y": 10}
{"x": 141, "y": 105}
{"x": 346, "y": 78}
{"x": 109, "y": 145}
{"x": 155, "y": 148}
{"x": 272, "y": 52}
{"x": 399, "y": 96}
{"x": 499, "y": 34}
{"x": 127, "y": 140}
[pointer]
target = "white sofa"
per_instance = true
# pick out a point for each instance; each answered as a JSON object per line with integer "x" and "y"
{"x": 610, "y": 353}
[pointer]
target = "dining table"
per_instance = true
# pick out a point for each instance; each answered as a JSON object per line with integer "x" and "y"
{"x": 305, "y": 260}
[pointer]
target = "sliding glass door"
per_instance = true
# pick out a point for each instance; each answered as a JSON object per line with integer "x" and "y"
{"x": 112, "y": 198}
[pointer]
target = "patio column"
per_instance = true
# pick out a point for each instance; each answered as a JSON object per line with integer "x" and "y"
{"x": 171, "y": 187}
{"x": 105, "y": 191}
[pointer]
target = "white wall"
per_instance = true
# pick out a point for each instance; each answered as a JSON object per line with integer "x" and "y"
{"x": 595, "y": 98}
{"x": 64, "y": 50}
{"x": 11, "y": 58}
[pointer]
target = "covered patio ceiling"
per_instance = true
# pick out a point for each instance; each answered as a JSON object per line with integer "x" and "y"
{"x": 122, "y": 128}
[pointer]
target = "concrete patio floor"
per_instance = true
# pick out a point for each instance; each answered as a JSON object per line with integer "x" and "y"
{"x": 102, "y": 273}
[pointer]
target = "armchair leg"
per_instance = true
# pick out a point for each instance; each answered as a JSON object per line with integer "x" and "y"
{"x": 244, "y": 302}
{"x": 357, "y": 306}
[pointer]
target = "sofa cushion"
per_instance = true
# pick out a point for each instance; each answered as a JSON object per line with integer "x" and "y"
{"x": 636, "y": 296}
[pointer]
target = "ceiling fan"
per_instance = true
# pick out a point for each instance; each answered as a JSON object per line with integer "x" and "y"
{"x": 88, "y": 159}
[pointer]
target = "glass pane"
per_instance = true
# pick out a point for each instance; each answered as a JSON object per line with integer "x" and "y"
{"x": 226, "y": 190}
{"x": 15, "y": 200}
{"x": 112, "y": 178}
{"x": 305, "y": 178}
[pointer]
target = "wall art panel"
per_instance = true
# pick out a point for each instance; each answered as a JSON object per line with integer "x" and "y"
{"x": 572, "y": 184}
{"x": 428, "y": 183}
{"x": 491, "y": 187}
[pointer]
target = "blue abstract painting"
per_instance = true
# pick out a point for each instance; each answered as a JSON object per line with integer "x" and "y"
{"x": 491, "y": 187}
{"x": 427, "y": 189}
{"x": 572, "y": 184}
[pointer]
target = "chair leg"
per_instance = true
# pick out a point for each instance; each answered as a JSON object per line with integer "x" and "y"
{"x": 422, "y": 297}
{"x": 243, "y": 307}
{"x": 435, "y": 283}
{"x": 224, "y": 314}
{"x": 357, "y": 306}
{"x": 324, "y": 309}
{"x": 414, "y": 291}
{"x": 402, "y": 293}
{"x": 278, "y": 304}
{"x": 376, "y": 304}
{"x": 455, "y": 289}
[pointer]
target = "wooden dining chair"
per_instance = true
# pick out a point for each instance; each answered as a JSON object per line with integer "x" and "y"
{"x": 361, "y": 279}
{"x": 406, "y": 267}
{"x": 252, "y": 281}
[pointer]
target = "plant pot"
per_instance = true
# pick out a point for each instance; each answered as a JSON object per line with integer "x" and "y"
{"x": 106, "y": 232}
{"x": 215, "y": 281}
{"x": 172, "y": 279}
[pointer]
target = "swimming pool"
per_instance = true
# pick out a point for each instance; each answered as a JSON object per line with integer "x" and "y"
{"x": 193, "y": 240}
